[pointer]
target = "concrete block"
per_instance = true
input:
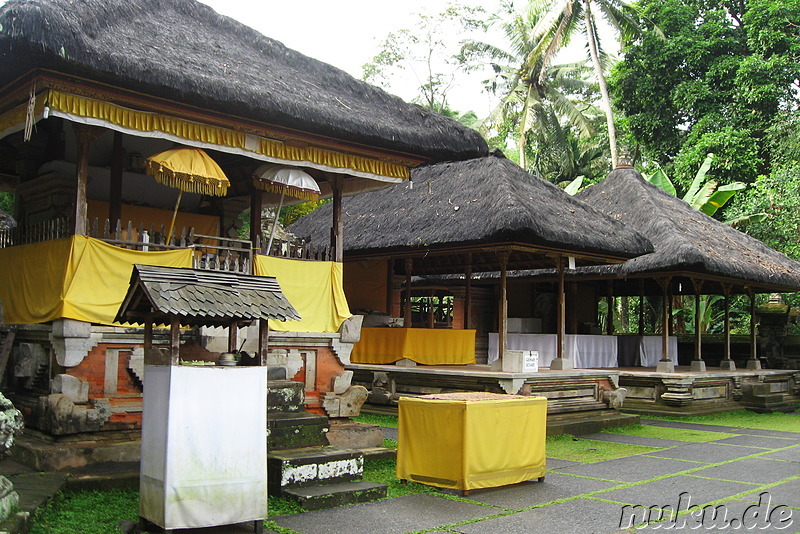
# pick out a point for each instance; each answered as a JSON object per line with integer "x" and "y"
{"x": 342, "y": 382}
{"x": 351, "y": 329}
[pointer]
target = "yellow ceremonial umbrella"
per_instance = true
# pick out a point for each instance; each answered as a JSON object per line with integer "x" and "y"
{"x": 190, "y": 170}
{"x": 288, "y": 181}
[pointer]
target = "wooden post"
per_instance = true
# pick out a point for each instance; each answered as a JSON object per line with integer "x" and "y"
{"x": 665, "y": 364}
{"x": 389, "y": 286}
{"x": 431, "y": 310}
{"x": 727, "y": 362}
{"x": 337, "y": 232}
{"x": 753, "y": 362}
{"x": 115, "y": 181}
{"x": 502, "y": 312}
{"x": 83, "y": 133}
{"x": 610, "y": 311}
{"x": 233, "y": 336}
{"x": 263, "y": 341}
{"x": 641, "y": 307}
{"x": 562, "y": 362}
{"x": 407, "y": 307}
{"x": 698, "y": 365}
{"x": 174, "y": 340}
{"x": 256, "y": 196}
{"x": 468, "y": 293}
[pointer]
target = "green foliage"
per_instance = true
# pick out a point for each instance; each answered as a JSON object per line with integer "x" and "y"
{"x": 716, "y": 84}
{"x": 786, "y": 422}
{"x": 290, "y": 214}
{"x": 8, "y": 202}
{"x": 87, "y": 512}
{"x": 377, "y": 419}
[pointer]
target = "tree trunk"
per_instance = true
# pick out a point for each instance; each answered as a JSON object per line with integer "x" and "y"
{"x": 591, "y": 36}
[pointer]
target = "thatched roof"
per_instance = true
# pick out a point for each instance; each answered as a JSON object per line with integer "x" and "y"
{"x": 202, "y": 298}
{"x": 184, "y": 51}
{"x": 685, "y": 239}
{"x": 482, "y": 201}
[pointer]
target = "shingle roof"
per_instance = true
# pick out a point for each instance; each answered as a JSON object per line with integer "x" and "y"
{"x": 202, "y": 297}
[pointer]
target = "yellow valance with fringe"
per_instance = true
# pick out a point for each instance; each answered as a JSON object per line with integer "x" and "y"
{"x": 79, "y": 278}
{"x": 314, "y": 288}
{"x": 101, "y": 113}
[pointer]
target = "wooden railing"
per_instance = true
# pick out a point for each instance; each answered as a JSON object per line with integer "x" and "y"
{"x": 212, "y": 252}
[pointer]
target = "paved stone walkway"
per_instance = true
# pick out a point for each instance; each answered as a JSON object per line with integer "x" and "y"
{"x": 751, "y": 480}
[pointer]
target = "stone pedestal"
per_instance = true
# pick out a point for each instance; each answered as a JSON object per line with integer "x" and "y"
{"x": 727, "y": 365}
{"x": 698, "y": 366}
{"x": 665, "y": 366}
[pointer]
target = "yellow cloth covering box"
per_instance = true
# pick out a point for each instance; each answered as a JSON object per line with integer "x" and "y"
{"x": 471, "y": 440}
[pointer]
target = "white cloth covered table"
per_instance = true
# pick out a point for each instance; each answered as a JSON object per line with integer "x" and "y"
{"x": 650, "y": 350}
{"x": 585, "y": 351}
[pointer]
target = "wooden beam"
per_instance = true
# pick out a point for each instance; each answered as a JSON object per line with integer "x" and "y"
{"x": 727, "y": 362}
{"x": 83, "y": 134}
{"x": 665, "y": 364}
{"x": 610, "y": 311}
{"x": 753, "y": 362}
{"x": 256, "y": 196}
{"x": 502, "y": 320}
{"x": 389, "y": 286}
{"x": 233, "y": 337}
{"x": 641, "y": 307}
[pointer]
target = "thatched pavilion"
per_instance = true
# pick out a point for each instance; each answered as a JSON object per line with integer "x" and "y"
{"x": 458, "y": 218}
{"x": 88, "y": 90}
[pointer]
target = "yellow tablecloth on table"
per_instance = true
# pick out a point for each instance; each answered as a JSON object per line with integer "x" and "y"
{"x": 422, "y": 345}
{"x": 471, "y": 444}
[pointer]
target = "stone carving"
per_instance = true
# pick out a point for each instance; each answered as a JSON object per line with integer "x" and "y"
{"x": 58, "y": 415}
{"x": 76, "y": 389}
{"x": 10, "y": 424}
{"x": 615, "y": 398}
{"x": 30, "y": 359}
{"x": 347, "y": 404}
{"x": 72, "y": 340}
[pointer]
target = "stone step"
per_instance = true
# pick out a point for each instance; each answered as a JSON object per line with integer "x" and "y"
{"x": 306, "y": 467}
{"x": 293, "y": 430}
{"x": 331, "y": 495}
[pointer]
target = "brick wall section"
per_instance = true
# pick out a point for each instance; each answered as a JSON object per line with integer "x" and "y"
{"x": 328, "y": 367}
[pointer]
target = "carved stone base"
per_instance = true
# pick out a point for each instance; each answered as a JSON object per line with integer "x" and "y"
{"x": 665, "y": 366}
{"x": 727, "y": 365}
{"x": 698, "y": 366}
{"x": 561, "y": 364}
{"x": 754, "y": 364}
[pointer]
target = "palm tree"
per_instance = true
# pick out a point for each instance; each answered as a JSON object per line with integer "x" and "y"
{"x": 563, "y": 19}
{"x": 535, "y": 96}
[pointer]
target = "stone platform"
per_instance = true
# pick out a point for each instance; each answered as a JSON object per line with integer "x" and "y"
{"x": 693, "y": 393}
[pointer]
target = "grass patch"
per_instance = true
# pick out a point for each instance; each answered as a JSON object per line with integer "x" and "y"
{"x": 87, "y": 512}
{"x": 660, "y": 432}
{"x": 786, "y": 422}
{"x": 568, "y": 447}
{"x": 377, "y": 419}
{"x": 384, "y": 471}
{"x": 390, "y": 443}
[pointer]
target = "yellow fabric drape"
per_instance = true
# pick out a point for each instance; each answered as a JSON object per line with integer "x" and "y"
{"x": 466, "y": 444}
{"x": 77, "y": 278}
{"x": 144, "y": 121}
{"x": 422, "y": 345}
{"x": 314, "y": 288}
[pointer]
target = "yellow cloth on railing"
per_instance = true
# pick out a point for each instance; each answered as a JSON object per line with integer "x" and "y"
{"x": 77, "y": 278}
{"x": 314, "y": 288}
{"x": 423, "y": 345}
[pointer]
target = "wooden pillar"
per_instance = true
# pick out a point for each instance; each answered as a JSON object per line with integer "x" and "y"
{"x": 562, "y": 362}
{"x": 233, "y": 337}
{"x": 502, "y": 312}
{"x": 174, "y": 340}
{"x": 115, "y": 182}
{"x": 148, "y": 339}
{"x": 468, "y": 293}
{"x": 337, "y": 231}
{"x": 753, "y": 362}
{"x": 610, "y": 310}
{"x": 389, "y": 286}
{"x": 431, "y": 310}
{"x": 263, "y": 341}
{"x": 573, "y": 300}
{"x": 698, "y": 365}
{"x": 727, "y": 362}
{"x": 83, "y": 133}
{"x": 665, "y": 364}
{"x": 641, "y": 307}
{"x": 407, "y": 307}
{"x": 256, "y": 196}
